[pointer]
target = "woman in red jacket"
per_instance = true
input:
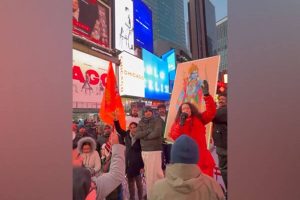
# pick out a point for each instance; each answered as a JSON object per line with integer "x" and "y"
{"x": 192, "y": 123}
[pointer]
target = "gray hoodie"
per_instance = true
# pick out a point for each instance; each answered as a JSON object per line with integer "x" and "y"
{"x": 107, "y": 182}
{"x": 186, "y": 181}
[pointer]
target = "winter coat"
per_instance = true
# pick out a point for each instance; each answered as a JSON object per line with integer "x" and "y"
{"x": 195, "y": 128}
{"x": 108, "y": 182}
{"x": 133, "y": 158}
{"x": 150, "y": 131}
{"x": 220, "y": 128}
{"x": 90, "y": 160}
{"x": 186, "y": 182}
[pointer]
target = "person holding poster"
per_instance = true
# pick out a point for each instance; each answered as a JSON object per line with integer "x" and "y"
{"x": 191, "y": 122}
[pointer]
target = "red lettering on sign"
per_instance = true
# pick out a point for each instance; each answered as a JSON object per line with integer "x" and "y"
{"x": 103, "y": 79}
{"x": 94, "y": 76}
{"x": 77, "y": 74}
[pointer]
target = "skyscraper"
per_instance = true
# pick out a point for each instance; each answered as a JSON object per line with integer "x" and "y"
{"x": 197, "y": 27}
{"x": 210, "y": 19}
{"x": 221, "y": 46}
{"x": 168, "y": 25}
{"x": 202, "y": 20}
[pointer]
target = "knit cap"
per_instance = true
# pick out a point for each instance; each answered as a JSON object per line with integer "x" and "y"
{"x": 185, "y": 150}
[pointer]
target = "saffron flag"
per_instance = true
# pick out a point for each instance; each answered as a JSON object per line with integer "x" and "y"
{"x": 111, "y": 101}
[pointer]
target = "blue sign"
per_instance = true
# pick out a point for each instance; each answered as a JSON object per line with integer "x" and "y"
{"x": 170, "y": 58}
{"x": 143, "y": 32}
{"x": 156, "y": 77}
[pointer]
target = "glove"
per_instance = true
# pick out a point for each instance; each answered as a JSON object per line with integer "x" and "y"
{"x": 205, "y": 88}
{"x": 183, "y": 117}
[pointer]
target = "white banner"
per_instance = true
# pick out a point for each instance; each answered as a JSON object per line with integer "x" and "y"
{"x": 131, "y": 75}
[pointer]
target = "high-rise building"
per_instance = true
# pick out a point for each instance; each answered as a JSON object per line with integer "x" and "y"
{"x": 210, "y": 19}
{"x": 221, "y": 47}
{"x": 202, "y": 21}
{"x": 168, "y": 25}
{"x": 198, "y": 41}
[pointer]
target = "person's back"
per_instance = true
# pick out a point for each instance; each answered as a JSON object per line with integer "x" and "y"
{"x": 184, "y": 179}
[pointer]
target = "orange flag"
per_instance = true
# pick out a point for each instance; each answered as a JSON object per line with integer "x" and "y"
{"x": 111, "y": 101}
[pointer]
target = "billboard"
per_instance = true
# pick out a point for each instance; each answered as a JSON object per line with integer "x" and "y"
{"x": 143, "y": 31}
{"x": 170, "y": 58}
{"x": 187, "y": 87}
{"x": 89, "y": 77}
{"x": 92, "y": 21}
{"x": 156, "y": 77}
{"x": 131, "y": 75}
{"x": 124, "y": 33}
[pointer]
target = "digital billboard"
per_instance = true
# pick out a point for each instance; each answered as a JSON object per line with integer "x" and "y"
{"x": 143, "y": 31}
{"x": 131, "y": 75}
{"x": 170, "y": 58}
{"x": 156, "y": 77}
{"x": 124, "y": 31}
{"x": 92, "y": 21}
{"x": 89, "y": 77}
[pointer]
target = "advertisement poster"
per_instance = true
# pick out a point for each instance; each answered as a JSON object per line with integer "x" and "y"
{"x": 91, "y": 21}
{"x": 124, "y": 32}
{"x": 89, "y": 77}
{"x": 131, "y": 75}
{"x": 187, "y": 87}
{"x": 156, "y": 77}
{"x": 143, "y": 31}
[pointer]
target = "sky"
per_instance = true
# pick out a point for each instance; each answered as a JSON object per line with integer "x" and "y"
{"x": 220, "y": 8}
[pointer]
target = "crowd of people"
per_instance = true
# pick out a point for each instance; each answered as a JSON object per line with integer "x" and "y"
{"x": 153, "y": 169}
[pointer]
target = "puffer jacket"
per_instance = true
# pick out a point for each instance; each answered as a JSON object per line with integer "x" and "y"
{"x": 90, "y": 160}
{"x": 150, "y": 131}
{"x": 220, "y": 128}
{"x": 195, "y": 128}
{"x": 186, "y": 182}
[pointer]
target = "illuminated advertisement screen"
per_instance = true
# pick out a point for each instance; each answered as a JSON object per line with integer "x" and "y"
{"x": 170, "y": 58}
{"x": 131, "y": 75}
{"x": 89, "y": 77}
{"x": 143, "y": 32}
{"x": 91, "y": 21}
{"x": 124, "y": 34}
{"x": 156, "y": 77}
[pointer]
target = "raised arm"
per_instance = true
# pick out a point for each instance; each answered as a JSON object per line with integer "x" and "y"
{"x": 121, "y": 131}
{"x": 210, "y": 111}
{"x": 107, "y": 182}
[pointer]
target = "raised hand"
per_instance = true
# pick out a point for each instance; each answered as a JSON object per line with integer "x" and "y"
{"x": 205, "y": 88}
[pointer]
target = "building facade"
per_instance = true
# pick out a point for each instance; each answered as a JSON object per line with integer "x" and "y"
{"x": 202, "y": 22}
{"x": 221, "y": 47}
{"x": 211, "y": 32}
{"x": 168, "y": 25}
